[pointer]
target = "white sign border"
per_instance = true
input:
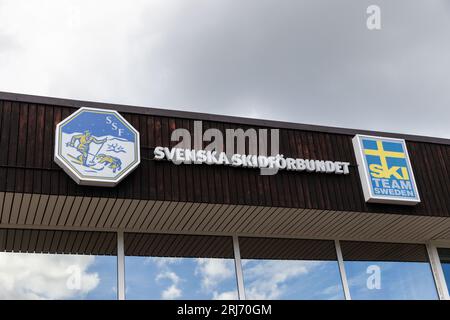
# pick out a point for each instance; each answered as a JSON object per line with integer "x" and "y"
{"x": 365, "y": 179}
{"x": 92, "y": 181}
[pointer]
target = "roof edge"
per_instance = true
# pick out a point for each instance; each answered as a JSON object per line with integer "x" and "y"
{"x": 27, "y": 98}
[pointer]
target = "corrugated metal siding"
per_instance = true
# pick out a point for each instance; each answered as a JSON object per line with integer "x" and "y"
{"x": 375, "y": 251}
{"x": 286, "y": 249}
{"x": 110, "y": 214}
{"x": 197, "y": 246}
{"x": 57, "y": 241}
{"x": 169, "y": 245}
{"x": 27, "y": 166}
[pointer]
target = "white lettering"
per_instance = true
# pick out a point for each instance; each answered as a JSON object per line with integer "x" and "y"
{"x": 187, "y": 156}
{"x": 159, "y": 153}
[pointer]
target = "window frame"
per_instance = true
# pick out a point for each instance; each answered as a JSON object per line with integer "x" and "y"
{"x": 431, "y": 247}
{"x": 436, "y": 267}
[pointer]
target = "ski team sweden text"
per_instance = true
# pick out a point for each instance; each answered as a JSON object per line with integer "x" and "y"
{"x": 387, "y": 163}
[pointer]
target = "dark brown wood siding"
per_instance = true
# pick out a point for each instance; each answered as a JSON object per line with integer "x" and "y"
{"x": 171, "y": 245}
{"x": 27, "y": 166}
{"x": 379, "y": 251}
{"x": 286, "y": 249}
{"x": 58, "y": 241}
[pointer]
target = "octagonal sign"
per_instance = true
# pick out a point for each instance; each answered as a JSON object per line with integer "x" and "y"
{"x": 96, "y": 147}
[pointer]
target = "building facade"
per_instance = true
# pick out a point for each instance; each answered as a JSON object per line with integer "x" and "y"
{"x": 338, "y": 230}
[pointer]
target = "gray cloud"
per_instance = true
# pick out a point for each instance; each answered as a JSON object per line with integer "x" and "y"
{"x": 302, "y": 61}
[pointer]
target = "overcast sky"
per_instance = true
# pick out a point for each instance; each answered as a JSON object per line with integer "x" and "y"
{"x": 307, "y": 61}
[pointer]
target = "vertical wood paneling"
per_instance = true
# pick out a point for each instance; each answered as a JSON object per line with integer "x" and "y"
{"x": 13, "y": 146}
{"x": 54, "y": 175}
{"x": 151, "y": 177}
{"x": 357, "y": 198}
{"x": 167, "y": 167}
{"x": 444, "y": 158}
{"x": 5, "y": 113}
{"x": 27, "y": 167}
{"x": 38, "y": 153}
{"x": 283, "y": 181}
{"x": 227, "y": 178}
{"x": 145, "y": 153}
{"x": 439, "y": 183}
{"x": 159, "y": 174}
{"x": 175, "y": 172}
{"x": 189, "y": 182}
{"x": 21, "y": 148}
{"x": 30, "y": 144}
{"x": 193, "y": 172}
{"x": 67, "y": 186}
{"x": 209, "y": 171}
{"x": 47, "y": 155}
{"x": 135, "y": 179}
{"x": 426, "y": 191}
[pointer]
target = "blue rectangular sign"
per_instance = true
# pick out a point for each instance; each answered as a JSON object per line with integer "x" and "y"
{"x": 385, "y": 170}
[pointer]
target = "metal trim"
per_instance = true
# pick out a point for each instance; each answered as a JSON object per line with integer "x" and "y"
{"x": 10, "y": 96}
{"x": 238, "y": 267}
{"x": 342, "y": 272}
{"x": 120, "y": 266}
{"x": 438, "y": 274}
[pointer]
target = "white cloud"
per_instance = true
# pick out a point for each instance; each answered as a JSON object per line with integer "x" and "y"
{"x": 162, "y": 262}
{"x": 214, "y": 271}
{"x": 171, "y": 293}
{"x": 333, "y": 292}
{"x": 268, "y": 279}
{"x": 226, "y": 295}
{"x": 209, "y": 276}
{"x": 172, "y": 276}
{"x": 43, "y": 276}
{"x": 68, "y": 40}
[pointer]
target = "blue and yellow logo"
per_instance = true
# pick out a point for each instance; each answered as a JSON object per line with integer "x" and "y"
{"x": 386, "y": 167}
{"x": 96, "y": 146}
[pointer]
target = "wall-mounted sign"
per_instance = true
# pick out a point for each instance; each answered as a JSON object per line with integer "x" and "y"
{"x": 96, "y": 147}
{"x": 279, "y": 162}
{"x": 385, "y": 170}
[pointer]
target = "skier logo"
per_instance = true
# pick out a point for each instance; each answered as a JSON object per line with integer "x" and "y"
{"x": 96, "y": 146}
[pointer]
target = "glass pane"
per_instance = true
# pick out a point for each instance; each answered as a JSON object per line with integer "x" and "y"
{"x": 168, "y": 266}
{"x": 390, "y": 280}
{"x": 57, "y": 276}
{"x": 291, "y": 279}
{"x": 180, "y": 278}
{"x": 57, "y": 264}
{"x": 385, "y": 271}
{"x": 444, "y": 255}
{"x": 290, "y": 269}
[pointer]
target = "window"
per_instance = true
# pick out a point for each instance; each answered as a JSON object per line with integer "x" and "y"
{"x": 290, "y": 269}
{"x": 39, "y": 264}
{"x": 444, "y": 256}
{"x": 388, "y": 271}
{"x": 179, "y": 267}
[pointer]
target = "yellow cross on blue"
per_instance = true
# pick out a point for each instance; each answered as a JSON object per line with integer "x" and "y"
{"x": 380, "y": 152}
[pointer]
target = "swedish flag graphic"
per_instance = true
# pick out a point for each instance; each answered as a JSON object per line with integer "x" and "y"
{"x": 386, "y": 159}
{"x": 387, "y": 168}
